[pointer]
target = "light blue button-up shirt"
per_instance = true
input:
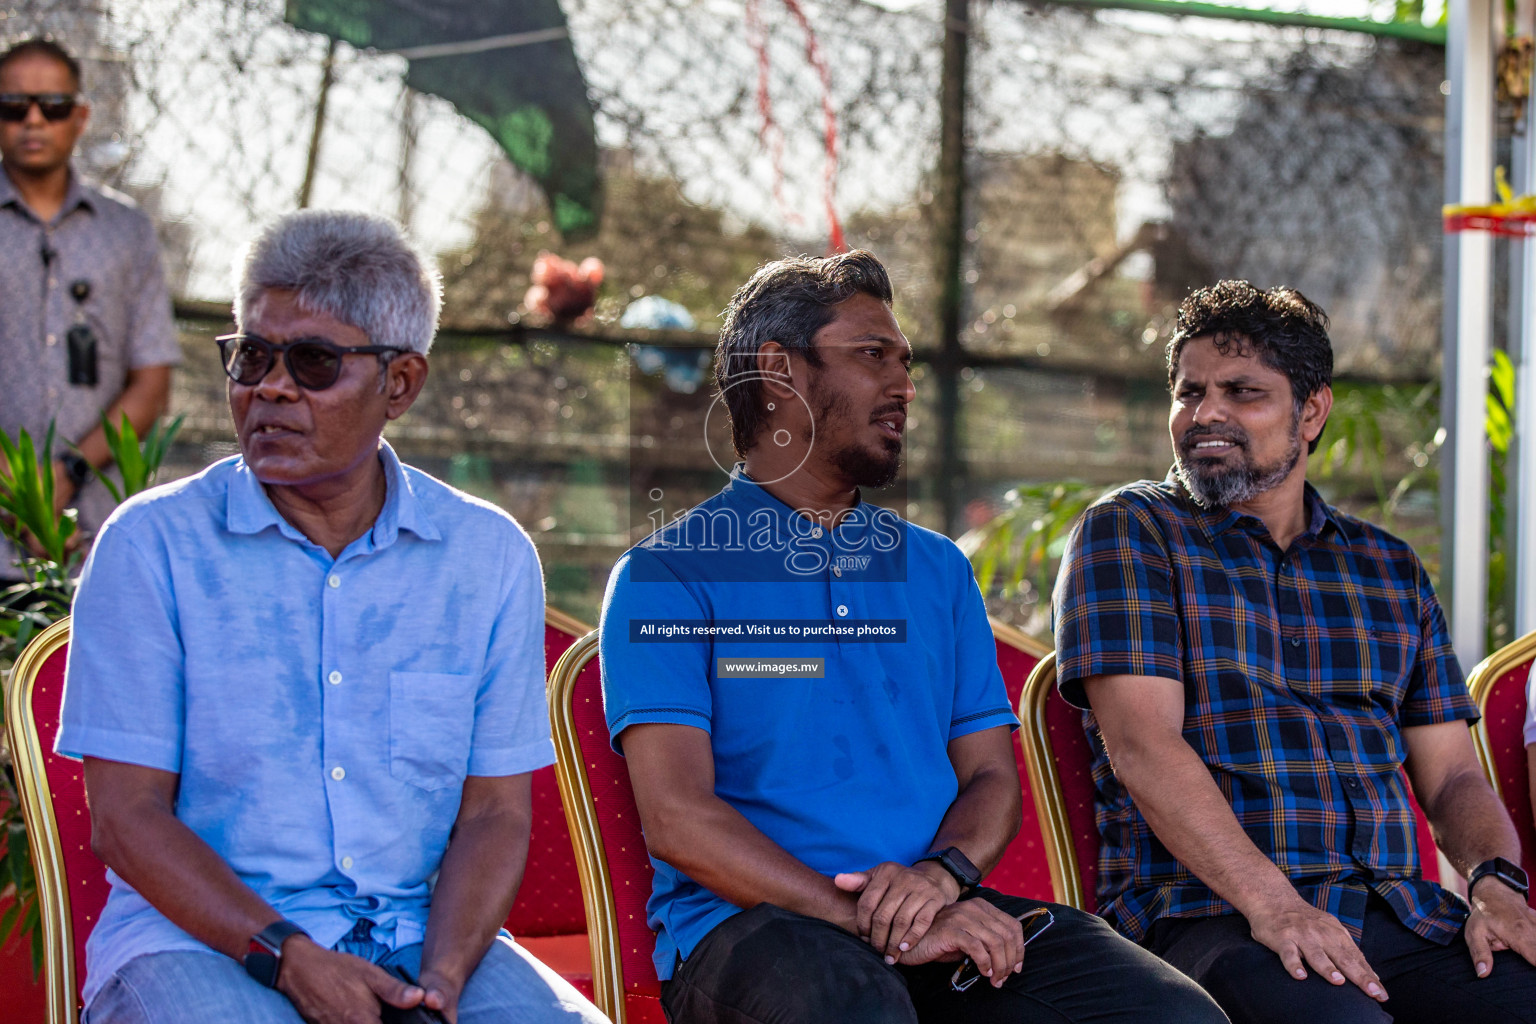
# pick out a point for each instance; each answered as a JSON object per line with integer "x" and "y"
{"x": 322, "y": 713}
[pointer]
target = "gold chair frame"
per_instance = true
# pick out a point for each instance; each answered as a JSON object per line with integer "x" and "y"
{"x": 1480, "y": 683}
{"x": 581, "y": 816}
{"x": 59, "y": 968}
{"x": 1045, "y": 784}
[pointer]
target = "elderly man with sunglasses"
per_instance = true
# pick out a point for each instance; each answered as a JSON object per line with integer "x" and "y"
{"x": 295, "y": 676}
{"x": 86, "y": 327}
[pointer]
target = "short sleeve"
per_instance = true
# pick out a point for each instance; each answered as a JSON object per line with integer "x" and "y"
{"x": 511, "y": 733}
{"x": 650, "y": 679}
{"x": 981, "y": 699}
{"x": 1113, "y": 607}
{"x": 152, "y": 333}
{"x": 1437, "y": 690}
{"x": 125, "y": 675}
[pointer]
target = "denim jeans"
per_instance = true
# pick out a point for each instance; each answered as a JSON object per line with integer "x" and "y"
{"x": 184, "y": 987}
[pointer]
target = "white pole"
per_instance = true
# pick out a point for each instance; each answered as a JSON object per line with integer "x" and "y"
{"x": 1524, "y": 496}
{"x": 1470, "y": 56}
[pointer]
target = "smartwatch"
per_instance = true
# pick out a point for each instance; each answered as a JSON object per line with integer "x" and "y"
{"x": 76, "y": 468}
{"x": 1509, "y": 873}
{"x": 957, "y": 864}
{"x": 264, "y": 959}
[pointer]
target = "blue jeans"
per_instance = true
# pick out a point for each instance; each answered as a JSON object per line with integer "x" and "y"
{"x": 201, "y": 988}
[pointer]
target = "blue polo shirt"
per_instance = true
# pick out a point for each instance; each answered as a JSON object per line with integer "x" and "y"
{"x": 322, "y": 713}
{"x": 843, "y": 771}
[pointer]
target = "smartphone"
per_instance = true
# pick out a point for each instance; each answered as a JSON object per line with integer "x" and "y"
{"x": 417, "y": 1014}
{"x": 1032, "y": 921}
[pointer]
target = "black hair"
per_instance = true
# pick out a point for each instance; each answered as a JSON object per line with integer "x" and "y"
{"x": 42, "y": 46}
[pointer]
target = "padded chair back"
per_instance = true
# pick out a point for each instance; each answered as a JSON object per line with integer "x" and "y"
{"x": 1061, "y": 771}
{"x": 1498, "y": 687}
{"x": 549, "y": 899}
{"x": 1025, "y": 869}
{"x": 1060, "y": 765}
{"x": 71, "y": 882}
{"x": 615, "y": 869}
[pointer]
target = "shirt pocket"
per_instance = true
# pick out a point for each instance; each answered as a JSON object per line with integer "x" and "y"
{"x": 431, "y": 723}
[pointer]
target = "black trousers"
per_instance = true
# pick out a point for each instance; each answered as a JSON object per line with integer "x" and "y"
{"x": 768, "y": 965}
{"x": 1427, "y": 983}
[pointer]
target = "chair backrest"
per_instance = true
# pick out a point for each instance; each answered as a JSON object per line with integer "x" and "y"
{"x": 1498, "y": 687}
{"x": 1025, "y": 869}
{"x": 549, "y": 899}
{"x": 71, "y": 882}
{"x": 1061, "y": 771}
{"x": 1060, "y": 766}
{"x": 615, "y": 869}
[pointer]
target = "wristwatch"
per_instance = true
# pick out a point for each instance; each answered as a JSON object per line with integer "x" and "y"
{"x": 1510, "y": 874}
{"x": 264, "y": 960}
{"x": 957, "y": 864}
{"x": 76, "y": 468}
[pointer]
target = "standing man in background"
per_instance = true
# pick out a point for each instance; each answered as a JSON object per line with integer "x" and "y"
{"x": 85, "y": 319}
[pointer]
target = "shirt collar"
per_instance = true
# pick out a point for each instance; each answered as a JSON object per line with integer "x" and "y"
{"x": 75, "y": 195}
{"x": 1213, "y": 521}
{"x": 249, "y": 510}
{"x": 747, "y": 494}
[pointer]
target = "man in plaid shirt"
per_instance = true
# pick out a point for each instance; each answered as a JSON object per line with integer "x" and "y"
{"x": 1258, "y": 668}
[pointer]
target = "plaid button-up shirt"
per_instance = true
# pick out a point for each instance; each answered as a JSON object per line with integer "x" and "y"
{"x": 1301, "y": 669}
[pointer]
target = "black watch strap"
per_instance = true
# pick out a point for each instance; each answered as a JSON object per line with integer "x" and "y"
{"x": 76, "y": 468}
{"x": 264, "y": 960}
{"x": 958, "y": 865}
{"x": 1508, "y": 872}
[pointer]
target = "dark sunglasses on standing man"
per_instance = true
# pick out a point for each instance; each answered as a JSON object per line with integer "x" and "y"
{"x": 314, "y": 364}
{"x": 56, "y": 106}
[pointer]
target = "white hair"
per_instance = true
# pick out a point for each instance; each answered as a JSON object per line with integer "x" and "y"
{"x": 356, "y": 267}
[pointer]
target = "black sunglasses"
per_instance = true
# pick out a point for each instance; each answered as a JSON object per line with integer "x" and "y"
{"x": 56, "y": 106}
{"x": 313, "y": 363}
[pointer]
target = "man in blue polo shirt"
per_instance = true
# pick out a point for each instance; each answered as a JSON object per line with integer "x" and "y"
{"x": 295, "y": 675}
{"x": 806, "y": 691}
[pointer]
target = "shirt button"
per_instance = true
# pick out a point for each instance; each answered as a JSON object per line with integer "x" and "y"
{"x": 816, "y": 532}
{"x": 1295, "y": 641}
{"x": 842, "y": 609}
{"x": 338, "y": 773}
{"x": 334, "y": 581}
{"x": 53, "y": 339}
{"x": 837, "y": 570}
{"x": 346, "y": 863}
{"x": 335, "y": 678}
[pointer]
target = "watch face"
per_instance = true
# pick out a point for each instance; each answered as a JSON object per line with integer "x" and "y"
{"x": 262, "y": 966}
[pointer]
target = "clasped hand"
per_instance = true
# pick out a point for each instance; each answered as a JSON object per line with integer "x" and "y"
{"x": 912, "y": 915}
{"x": 328, "y": 987}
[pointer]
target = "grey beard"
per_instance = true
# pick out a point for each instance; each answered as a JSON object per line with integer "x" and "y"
{"x": 1227, "y": 487}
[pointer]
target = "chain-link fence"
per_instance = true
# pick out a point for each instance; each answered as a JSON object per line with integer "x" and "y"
{"x": 1114, "y": 159}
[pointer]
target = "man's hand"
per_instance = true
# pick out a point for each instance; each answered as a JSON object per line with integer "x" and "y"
{"x": 327, "y": 987}
{"x": 1500, "y": 920}
{"x": 976, "y": 929}
{"x": 897, "y": 903}
{"x": 442, "y": 993}
{"x": 1300, "y": 932}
